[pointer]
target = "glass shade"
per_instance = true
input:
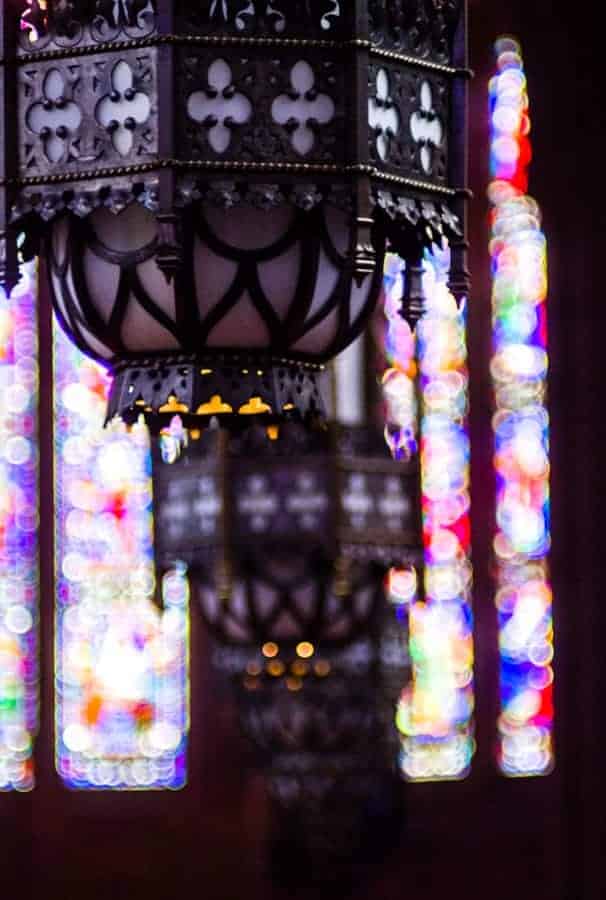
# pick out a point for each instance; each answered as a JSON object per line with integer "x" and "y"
{"x": 277, "y": 286}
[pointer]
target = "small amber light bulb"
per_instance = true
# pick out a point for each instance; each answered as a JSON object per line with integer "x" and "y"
{"x": 305, "y": 650}
{"x": 275, "y": 668}
{"x": 270, "y": 649}
{"x": 322, "y": 668}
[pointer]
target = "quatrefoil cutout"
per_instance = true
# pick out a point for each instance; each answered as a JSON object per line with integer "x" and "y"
{"x": 383, "y": 115}
{"x": 54, "y": 118}
{"x": 426, "y": 128}
{"x": 120, "y": 111}
{"x": 219, "y": 108}
{"x": 302, "y": 109}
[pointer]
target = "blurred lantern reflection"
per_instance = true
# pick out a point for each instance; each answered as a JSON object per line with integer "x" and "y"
{"x": 122, "y": 666}
{"x": 18, "y": 533}
{"x": 521, "y": 429}
{"x": 287, "y": 539}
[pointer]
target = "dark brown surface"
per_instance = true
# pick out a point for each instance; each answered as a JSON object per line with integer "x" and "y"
{"x": 488, "y": 837}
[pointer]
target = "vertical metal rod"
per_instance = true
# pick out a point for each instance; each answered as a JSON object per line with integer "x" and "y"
{"x": 169, "y": 254}
{"x": 413, "y": 309}
{"x": 460, "y": 279}
{"x": 362, "y": 250}
{"x": 9, "y": 266}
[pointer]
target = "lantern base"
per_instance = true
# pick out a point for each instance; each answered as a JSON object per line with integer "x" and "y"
{"x": 237, "y": 388}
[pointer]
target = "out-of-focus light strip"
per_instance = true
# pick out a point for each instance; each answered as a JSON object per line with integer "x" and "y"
{"x": 435, "y": 713}
{"x": 121, "y": 665}
{"x": 18, "y": 532}
{"x": 521, "y": 430}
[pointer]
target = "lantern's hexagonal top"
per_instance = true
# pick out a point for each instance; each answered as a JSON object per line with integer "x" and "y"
{"x": 116, "y": 99}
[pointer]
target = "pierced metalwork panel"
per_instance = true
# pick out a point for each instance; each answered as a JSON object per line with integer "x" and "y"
{"x": 320, "y": 19}
{"x": 379, "y": 503}
{"x": 421, "y": 28}
{"x": 287, "y": 595}
{"x": 188, "y": 507}
{"x": 287, "y": 501}
{"x": 194, "y": 389}
{"x": 409, "y": 120}
{"x": 70, "y": 25}
{"x": 311, "y": 92}
{"x": 259, "y": 108}
{"x": 87, "y": 113}
{"x": 284, "y": 493}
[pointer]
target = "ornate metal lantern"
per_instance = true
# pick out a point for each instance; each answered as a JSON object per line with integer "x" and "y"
{"x": 286, "y": 538}
{"x": 327, "y": 752}
{"x": 214, "y": 184}
{"x": 287, "y": 542}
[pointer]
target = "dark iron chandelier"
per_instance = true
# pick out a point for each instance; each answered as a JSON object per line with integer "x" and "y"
{"x": 287, "y": 542}
{"x": 214, "y": 185}
{"x": 213, "y": 188}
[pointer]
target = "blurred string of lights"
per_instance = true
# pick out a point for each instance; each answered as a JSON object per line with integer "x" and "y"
{"x": 18, "y": 532}
{"x": 521, "y": 431}
{"x": 122, "y": 710}
{"x": 435, "y": 711}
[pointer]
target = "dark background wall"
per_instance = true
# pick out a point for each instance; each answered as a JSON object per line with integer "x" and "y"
{"x": 562, "y": 52}
{"x": 487, "y": 837}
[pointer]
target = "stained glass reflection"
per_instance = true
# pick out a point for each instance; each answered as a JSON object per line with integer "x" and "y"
{"x": 122, "y": 665}
{"x": 521, "y": 431}
{"x": 18, "y": 532}
{"x": 435, "y": 712}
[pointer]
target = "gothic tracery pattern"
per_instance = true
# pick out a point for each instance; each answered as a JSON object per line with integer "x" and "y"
{"x": 421, "y": 27}
{"x": 278, "y": 12}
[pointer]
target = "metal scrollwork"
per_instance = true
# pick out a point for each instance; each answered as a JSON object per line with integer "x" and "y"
{"x": 408, "y": 115}
{"x": 34, "y": 22}
{"x": 54, "y": 118}
{"x": 426, "y": 128}
{"x": 422, "y": 28}
{"x": 68, "y": 23}
{"x": 123, "y": 108}
{"x": 274, "y": 16}
{"x": 220, "y": 107}
{"x": 303, "y": 100}
{"x": 77, "y": 116}
{"x": 41, "y": 21}
{"x": 129, "y": 16}
{"x": 383, "y": 115}
{"x": 303, "y": 108}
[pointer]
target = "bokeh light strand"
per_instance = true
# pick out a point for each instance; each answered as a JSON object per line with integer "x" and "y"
{"x": 435, "y": 712}
{"x": 521, "y": 432}
{"x": 122, "y": 706}
{"x": 18, "y": 533}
